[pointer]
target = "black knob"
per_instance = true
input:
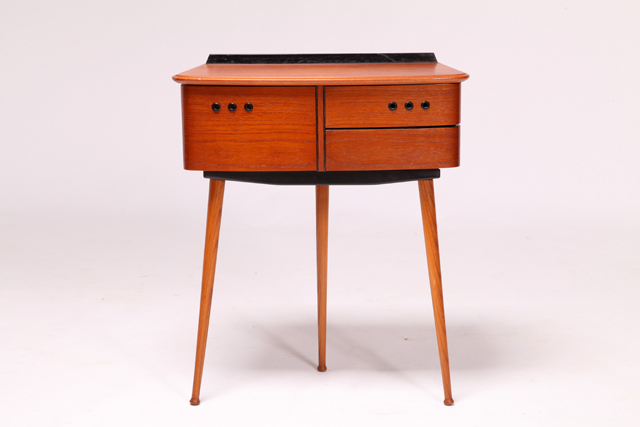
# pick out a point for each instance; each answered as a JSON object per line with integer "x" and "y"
{"x": 232, "y": 106}
{"x": 392, "y": 106}
{"x": 215, "y": 107}
{"x": 408, "y": 105}
{"x": 425, "y": 105}
{"x": 248, "y": 106}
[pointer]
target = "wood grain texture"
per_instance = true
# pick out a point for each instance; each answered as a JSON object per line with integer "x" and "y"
{"x": 368, "y": 106}
{"x": 320, "y": 74}
{"x": 214, "y": 216}
{"x": 428, "y": 206}
{"x": 390, "y": 149}
{"x": 321, "y": 147}
{"x": 278, "y": 134}
{"x": 322, "y": 244}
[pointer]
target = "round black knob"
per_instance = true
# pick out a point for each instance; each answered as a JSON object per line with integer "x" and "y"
{"x": 408, "y": 105}
{"x": 215, "y": 107}
{"x": 392, "y": 106}
{"x": 232, "y": 106}
{"x": 248, "y": 106}
{"x": 425, "y": 105}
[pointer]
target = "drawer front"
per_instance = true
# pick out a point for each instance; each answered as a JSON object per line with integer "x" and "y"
{"x": 390, "y": 149}
{"x": 278, "y": 134}
{"x": 368, "y": 106}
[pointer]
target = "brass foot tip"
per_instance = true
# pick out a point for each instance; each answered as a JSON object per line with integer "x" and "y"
{"x": 322, "y": 368}
{"x": 448, "y": 402}
{"x": 194, "y": 402}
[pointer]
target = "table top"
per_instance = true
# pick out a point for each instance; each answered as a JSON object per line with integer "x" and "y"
{"x": 410, "y": 69}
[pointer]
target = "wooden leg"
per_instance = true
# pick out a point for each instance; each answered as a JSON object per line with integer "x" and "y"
{"x": 427, "y": 202}
{"x": 214, "y": 214}
{"x": 322, "y": 237}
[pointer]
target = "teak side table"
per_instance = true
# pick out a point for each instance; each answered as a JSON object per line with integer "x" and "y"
{"x": 335, "y": 119}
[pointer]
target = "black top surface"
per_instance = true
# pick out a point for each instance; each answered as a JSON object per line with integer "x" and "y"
{"x": 322, "y": 58}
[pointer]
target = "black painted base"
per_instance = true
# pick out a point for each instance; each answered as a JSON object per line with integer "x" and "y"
{"x": 327, "y": 178}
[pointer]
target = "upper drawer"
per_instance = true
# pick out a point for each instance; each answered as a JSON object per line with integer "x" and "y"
{"x": 271, "y": 128}
{"x": 369, "y": 106}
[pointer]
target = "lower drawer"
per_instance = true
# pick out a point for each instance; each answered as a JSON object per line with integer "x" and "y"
{"x": 389, "y": 149}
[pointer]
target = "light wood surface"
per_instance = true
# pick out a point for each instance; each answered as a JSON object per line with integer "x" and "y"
{"x": 368, "y": 106}
{"x": 391, "y": 149}
{"x": 320, "y": 74}
{"x": 322, "y": 244}
{"x": 214, "y": 215}
{"x": 428, "y": 206}
{"x": 278, "y": 134}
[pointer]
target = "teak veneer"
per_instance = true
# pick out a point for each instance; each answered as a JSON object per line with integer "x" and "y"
{"x": 335, "y": 119}
{"x": 320, "y": 74}
{"x": 279, "y": 133}
{"x": 367, "y": 106}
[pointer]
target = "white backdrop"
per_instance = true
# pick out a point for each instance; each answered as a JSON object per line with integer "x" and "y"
{"x": 91, "y": 175}
{"x": 91, "y": 122}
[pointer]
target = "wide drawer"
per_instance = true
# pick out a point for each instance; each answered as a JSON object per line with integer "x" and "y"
{"x": 389, "y": 149}
{"x": 368, "y": 106}
{"x": 277, "y": 134}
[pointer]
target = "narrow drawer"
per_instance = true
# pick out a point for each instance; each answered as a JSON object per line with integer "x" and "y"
{"x": 277, "y": 134}
{"x": 368, "y": 106}
{"x": 389, "y": 149}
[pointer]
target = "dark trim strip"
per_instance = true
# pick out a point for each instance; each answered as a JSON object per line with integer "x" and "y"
{"x": 322, "y": 58}
{"x": 327, "y": 178}
{"x": 317, "y": 133}
{"x": 324, "y": 126}
{"x": 398, "y": 127}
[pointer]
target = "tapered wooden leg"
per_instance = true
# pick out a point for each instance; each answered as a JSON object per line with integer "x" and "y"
{"x": 322, "y": 237}
{"x": 428, "y": 205}
{"x": 214, "y": 214}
